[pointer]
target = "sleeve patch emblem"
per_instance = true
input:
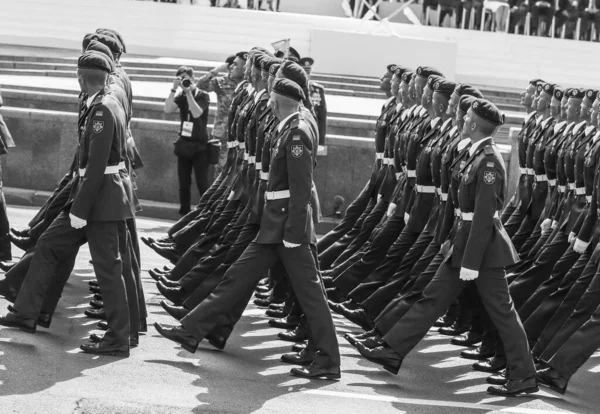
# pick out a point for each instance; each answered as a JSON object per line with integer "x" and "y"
{"x": 98, "y": 126}
{"x": 489, "y": 177}
{"x": 297, "y": 151}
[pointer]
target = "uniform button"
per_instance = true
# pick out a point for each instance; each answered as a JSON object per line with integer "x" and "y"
{"x": 283, "y": 209}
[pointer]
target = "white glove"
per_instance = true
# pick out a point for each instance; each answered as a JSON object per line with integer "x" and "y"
{"x": 406, "y": 217}
{"x": 290, "y": 245}
{"x": 546, "y": 224}
{"x": 468, "y": 274}
{"x": 391, "y": 209}
{"x": 572, "y": 237}
{"x": 76, "y": 222}
{"x": 554, "y": 223}
{"x": 580, "y": 246}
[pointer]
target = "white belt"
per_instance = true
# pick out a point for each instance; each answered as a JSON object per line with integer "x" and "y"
{"x": 469, "y": 216}
{"x": 540, "y": 178}
{"x": 411, "y": 174}
{"x": 251, "y": 160}
{"x": 111, "y": 169}
{"x": 457, "y": 212}
{"x": 230, "y": 196}
{"x": 530, "y": 171}
{"x": 241, "y": 145}
{"x": 277, "y": 195}
{"x": 522, "y": 170}
{"x": 388, "y": 161}
{"x": 588, "y": 199}
{"x": 438, "y": 190}
{"x": 572, "y": 186}
{"x": 264, "y": 176}
{"x": 562, "y": 188}
{"x": 398, "y": 175}
{"x": 246, "y": 157}
{"x": 258, "y": 165}
{"x": 551, "y": 183}
{"x": 580, "y": 191}
{"x": 232, "y": 144}
{"x": 379, "y": 155}
{"x": 428, "y": 189}
{"x": 444, "y": 196}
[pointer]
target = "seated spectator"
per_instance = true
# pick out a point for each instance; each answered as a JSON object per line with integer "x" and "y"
{"x": 590, "y": 14}
{"x": 518, "y": 14}
{"x": 541, "y": 11}
{"x": 567, "y": 14}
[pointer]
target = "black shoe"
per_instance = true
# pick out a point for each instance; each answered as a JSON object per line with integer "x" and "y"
{"x": 277, "y": 306}
{"x": 347, "y": 306}
{"x": 175, "y": 295}
{"x": 23, "y": 243}
{"x": 353, "y": 339}
{"x": 148, "y": 241}
{"x": 300, "y": 358}
{"x": 454, "y": 330}
{"x": 498, "y": 379}
{"x": 93, "y": 283}
{"x": 467, "y": 339}
{"x": 169, "y": 253}
{"x": 262, "y": 289}
{"x": 299, "y": 347}
{"x": 300, "y": 334}
{"x": 515, "y": 387}
{"x": 264, "y": 295}
{"x": 95, "y": 338}
{"x": 316, "y": 372}
{"x": 551, "y": 378}
{"x": 264, "y": 303}
{"x": 104, "y": 348}
{"x": 155, "y": 275}
{"x": 216, "y": 340}
{"x": 6, "y": 267}
{"x": 16, "y": 320}
{"x": 168, "y": 283}
{"x": 102, "y": 325}
{"x": 97, "y": 296}
{"x": 20, "y": 233}
{"x": 177, "y": 312}
{"x": 335, "y": 295}
{"x": 360, "y": 317}
{"x": 277, "y": 314}
{"x": 44, "y": 320}
{"x": 373, "y": 342}
{"x": 384, "y": 356}
{"x": 478, "y": 353}
{"x": 7, "y": 291}
{"x": 97, "y": 304}
{"x": 95, "y": 289}
{"x": 492, "y": 365}
{"x": 95, "y": 313}
{"x": 328, "y": 282}
{"x": 443, "y": 322}
{"x": 285, "y": 323}
{"x": 179, "y": 335}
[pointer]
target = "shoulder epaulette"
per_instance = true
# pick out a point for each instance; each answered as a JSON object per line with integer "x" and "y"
{"x": 435, "y": 122}
{"x": 489, "y": 150}
{"x": 530, "y": 117}
{"x": 558, "y": 126}
{"x": 577, "y": 128}
{"x": 295, "y": 122}
{"x": 463, "y": 144}
{"x": 589, "y": 129}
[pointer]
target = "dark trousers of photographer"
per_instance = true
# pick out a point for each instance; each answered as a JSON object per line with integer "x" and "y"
{"x": 191, "y": 159}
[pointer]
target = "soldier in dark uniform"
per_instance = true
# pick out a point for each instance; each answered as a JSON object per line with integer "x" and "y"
{"x": 286, "y": 231}
{"x": 96, "y": 212}
{"x": 317, "y": 97}
{"x": 480, "y": 251}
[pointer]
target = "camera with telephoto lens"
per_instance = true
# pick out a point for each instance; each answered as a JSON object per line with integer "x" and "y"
{"x": 186, "y": 82}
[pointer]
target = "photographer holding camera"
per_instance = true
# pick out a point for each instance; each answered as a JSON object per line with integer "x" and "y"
{"x": 191, "y": 148}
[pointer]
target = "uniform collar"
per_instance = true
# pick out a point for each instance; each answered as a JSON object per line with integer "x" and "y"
{"x": 283, "y": 122}
{"x": 258, "y": 95}
{"x": 89, "y": 101}
{"x": 478, "y": 144}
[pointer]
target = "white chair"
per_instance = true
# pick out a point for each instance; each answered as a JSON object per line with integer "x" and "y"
{"x": 471, "y": 23}
{"x": 493, "y": 7}
{"x": 527, "y": 28}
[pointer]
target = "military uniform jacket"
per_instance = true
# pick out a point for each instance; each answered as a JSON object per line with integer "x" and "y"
{"x": 588, "y": 229}
{"x": 98, "y": 196}
{"x": 293, "y": 158}
{"x": 482, "y": 243}
{"x": 317, "y": 97}
{"x": 535, "y": 160}
{"x": 240, "y": 94}
{"x": 523, "y": 191}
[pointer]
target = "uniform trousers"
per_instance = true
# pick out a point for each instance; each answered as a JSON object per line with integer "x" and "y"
{"x": 367, "y": 228}
{"x": 421, "y": 254}
{"x": 396, "y": 309}
{"x": 577, "y": 307}
{"x": 202, "y": 283}
{"x": 407, "y": 241}
{"x": 437, "y": 297}
{"x": 514, "y": 221}
{"x": 578, "y": 348}
{"x": 241, "y": 280}
{"x": 524, "y": 231}
{"x": 61, "y": 241}
{"x": 353, "y": 212}
{"x": 355, "y": 274}
{"x": 329, "y": 255}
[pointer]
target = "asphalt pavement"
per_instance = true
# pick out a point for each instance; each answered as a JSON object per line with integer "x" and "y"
{"x": 46, "y": 372}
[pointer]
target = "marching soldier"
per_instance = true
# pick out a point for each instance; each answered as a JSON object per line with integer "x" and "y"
{"x": 316, "y": 93}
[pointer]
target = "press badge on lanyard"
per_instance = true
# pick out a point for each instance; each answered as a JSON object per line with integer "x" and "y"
{"x": 186, "y": 128}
